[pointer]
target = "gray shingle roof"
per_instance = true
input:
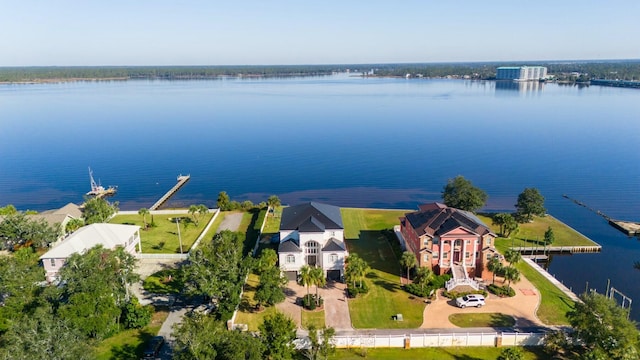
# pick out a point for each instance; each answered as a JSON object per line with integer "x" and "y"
{"x": 289, "y": 246}
{"x": 294, "y": 217}
{"x": 438, "y": 219}
{"x": 334, "y": 244}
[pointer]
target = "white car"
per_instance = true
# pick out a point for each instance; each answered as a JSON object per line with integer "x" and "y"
{"x": 470, "y": 300}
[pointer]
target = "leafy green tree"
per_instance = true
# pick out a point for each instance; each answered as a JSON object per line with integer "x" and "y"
{"x": 144, "y": 212}
{"x": 495, "y": 266}
{"x": 408, "y": 261}
{"x": 602, "y": 327}
{"x": 18, "y": 230}
{"x": 98, "y": 210}
{"x": 506, "y": 222}
{"x": 96, "y": 289}
{"x": 136, "y": 316}
{"x": 530, "y": 202}
{"x": 197, "y": 211}
{"x": 224, "y": 202}
{"x": 216, "y": 270}
{"x": 239, "y": 345}
{"x": 268, "y": 259}
{"x": 8, "y": 210}
{"x": 270, "y": 289}
{"x": 460, "y": 193}
{"x": 511, "y": 274}
{"x": 278, "y": 332}
{"x": 273, "y": 201}
{"x": 43, "y": 335}
{"x": 511, "y": 353}
{"x": 73, "y": 225}
{"x": 195, "y": 337}
{"x": 556, "y": 343}
{"x": 321, "y": 345}
{"x": 423, "y": 277}
{"x": 318, "y": 280}
{"x": 549, "y": 236}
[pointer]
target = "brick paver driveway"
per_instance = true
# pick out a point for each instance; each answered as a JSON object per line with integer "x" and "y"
{"x": 522, "y": 307}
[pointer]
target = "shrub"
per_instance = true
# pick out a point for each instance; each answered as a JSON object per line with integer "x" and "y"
{"x": 456, "y": 294}
{"x": 353, "y": 291}
{"x": 309, "y": 302}
{"x": 502, "y": 291}
{"x": 417, "y": 290}
{"x": 438, "y": 281}
{"x": 136, "y": 316}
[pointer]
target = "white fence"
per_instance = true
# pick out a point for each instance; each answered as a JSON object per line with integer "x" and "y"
{"x": 439, "y": 340}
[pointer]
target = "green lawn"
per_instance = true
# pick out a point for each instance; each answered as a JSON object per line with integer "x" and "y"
{"x": 246, "y": 311}
{"x": 165, "y": 281}
{"x": 313, "y": 318}
{"x": 130, "y": 344}
{"x": 273, "y": 221}
{"x": 482, "y": 320}
{"x": 532, "y": 234}
{"x": 368, "y": 233}
{"x": 163, "y": 238}
{"x": 554, "y": 304}
{"x": 216, "y": 224}
{"x": 441, "y": 353}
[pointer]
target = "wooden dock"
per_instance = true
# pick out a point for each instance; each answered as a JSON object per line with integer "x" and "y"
{"x": 541, "y": 250}
{"x": 628, "y": 227}
{"x": 182, "y": 179}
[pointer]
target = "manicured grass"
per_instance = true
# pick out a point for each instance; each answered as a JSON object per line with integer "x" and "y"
{"x": 442, "y": 353}
{"x": 273, "y": 221}
{"x": 482, "y": 320}
{"x": 163, "y": 238}
{"x": 554, "y": 303}
{"x": 313, "y": 318}
{"x": 251, "y": 228}
{"x": 532, "y": 234}
{"x": 165, "y": 281}
{"x": 214, "y": 227}
{"x": 369, "y": 233}
{"x": 130, "y": 344}
{"x": 246, "y": 311}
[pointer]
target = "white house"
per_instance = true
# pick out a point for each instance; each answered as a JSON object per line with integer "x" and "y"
{"x": 109, "y": 236}
{"x": 312, "y": 234}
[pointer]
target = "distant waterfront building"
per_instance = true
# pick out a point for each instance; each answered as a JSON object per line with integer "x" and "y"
{"x": 521, "y": 73}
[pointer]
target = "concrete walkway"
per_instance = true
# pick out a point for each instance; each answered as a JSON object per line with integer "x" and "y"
{"x": 231, "y": 222}
{"x": 521, "y": 307}
{"x": 552, "y": 279}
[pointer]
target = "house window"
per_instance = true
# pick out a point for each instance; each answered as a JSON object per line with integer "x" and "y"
{"x": 445, "y": 255}
{"x": 467, "y": 255}
{"x": 436, "y": 255}
{"x": 333, "y": 257}
{"x": 488, "y": 241}
{"x": 426, "y": 257}
{"x": 426, "y": 242}
{"x": 53, "y": 262}
{"x": 291, "y": 259}
{"x": 435, "y": 241}
{"x": 488, "y": 256}
{"x": 312, "y": 247}
{"x": 333, "y": 233}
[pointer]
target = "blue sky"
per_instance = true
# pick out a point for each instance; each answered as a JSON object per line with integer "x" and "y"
{"x": 160, "y": 32}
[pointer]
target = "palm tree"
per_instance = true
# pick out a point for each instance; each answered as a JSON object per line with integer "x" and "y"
{"x": 357, "y": 268}
{"x": 408, "y": 260}
{"x": 512, "y": 256}
{"x": 273, "y": 201}
{"x": 495, "y": 266}
{"x": 193, "y": 209}
{"x": 511, "y": 274}
{"x": 318, "y": 279}
{"x": 144, "y": 212}
{"x": 306, "y": 276}
{"x": 423, "y": 276}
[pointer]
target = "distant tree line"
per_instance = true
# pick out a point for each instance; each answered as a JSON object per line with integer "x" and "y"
{"x": 565, "y": 70}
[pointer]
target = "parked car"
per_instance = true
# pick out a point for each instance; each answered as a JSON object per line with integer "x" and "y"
{"x": 153, "y": 347}
{"x": 470, "y": 300}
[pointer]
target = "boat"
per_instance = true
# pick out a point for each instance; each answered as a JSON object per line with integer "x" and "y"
{"x": 98, "y": 190}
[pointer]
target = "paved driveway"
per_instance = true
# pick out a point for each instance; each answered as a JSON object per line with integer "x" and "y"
{"x": 231, "y": 222}
{"x": 336, "y": 308}
{"x": 522, "y": 307}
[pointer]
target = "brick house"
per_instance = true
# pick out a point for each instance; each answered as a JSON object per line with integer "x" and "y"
{"x": 446, "y": 240}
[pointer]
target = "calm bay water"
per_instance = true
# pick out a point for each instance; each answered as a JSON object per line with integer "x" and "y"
{"x": 347, "y": 141}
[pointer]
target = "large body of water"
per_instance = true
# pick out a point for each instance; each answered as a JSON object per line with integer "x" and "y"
{"x": 347, "y": 141}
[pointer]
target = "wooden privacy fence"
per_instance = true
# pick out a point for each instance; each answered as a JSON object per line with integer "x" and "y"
{"x": 439, "y": 340}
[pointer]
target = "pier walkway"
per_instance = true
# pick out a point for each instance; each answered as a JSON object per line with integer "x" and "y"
{"x": 182, "y": 179}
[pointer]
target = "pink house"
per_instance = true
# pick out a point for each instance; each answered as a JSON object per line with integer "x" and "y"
{"x": 446, "y": 240}
{"x": 108, "y": 235}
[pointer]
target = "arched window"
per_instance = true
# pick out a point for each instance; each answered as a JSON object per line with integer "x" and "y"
{"x": 312, "y": 247}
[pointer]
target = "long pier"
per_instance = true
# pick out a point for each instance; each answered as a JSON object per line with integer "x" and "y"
{"x": 182, "y": 179}
{"x": 631, "y": 228}
{"x": 537, "y": 251}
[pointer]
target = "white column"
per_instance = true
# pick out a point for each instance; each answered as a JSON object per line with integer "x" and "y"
{"x": 441, "y": 248}
{"x": 475, "y": 250}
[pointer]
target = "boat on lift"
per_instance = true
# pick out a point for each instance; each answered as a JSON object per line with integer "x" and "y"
{"x": 98, "y": 190}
